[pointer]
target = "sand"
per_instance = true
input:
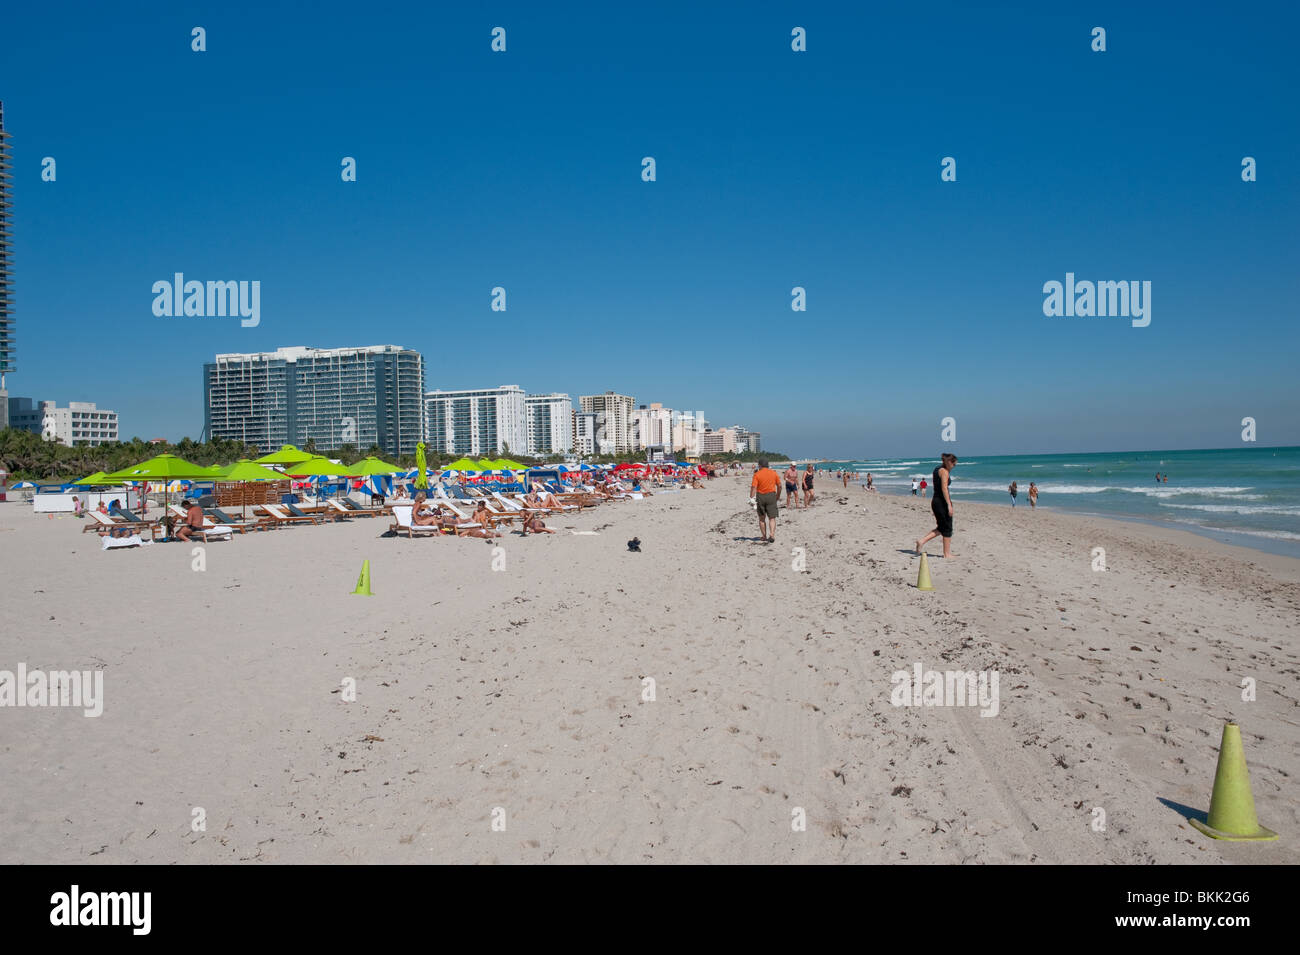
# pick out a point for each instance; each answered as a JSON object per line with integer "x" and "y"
{"x": 515, "y": 695}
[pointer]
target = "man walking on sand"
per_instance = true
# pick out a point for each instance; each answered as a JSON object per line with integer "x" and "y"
{"x": 765, "y": 492}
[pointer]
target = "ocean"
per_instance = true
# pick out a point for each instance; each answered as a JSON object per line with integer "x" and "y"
{"x": 1247, "y": 496}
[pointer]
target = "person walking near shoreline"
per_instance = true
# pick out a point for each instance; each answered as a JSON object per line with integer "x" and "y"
{"x": 808, "y": 486}
{"x": 765, "y": 492}
{"x": 1033, "y": 495}
{"x": 941, "y": 505}
{"x": 1012, "y": 489}
{"x": 914, "y": 487}
{"x": 792, "y": 486}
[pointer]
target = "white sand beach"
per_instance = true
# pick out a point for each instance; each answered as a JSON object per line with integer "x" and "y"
{"x": 521, "y": 690}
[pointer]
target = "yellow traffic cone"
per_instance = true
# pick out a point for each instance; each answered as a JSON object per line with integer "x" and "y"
{"x": 1232, "y": 807}
{"x": 923, "y": 577}
{"x": 363, "y": 582}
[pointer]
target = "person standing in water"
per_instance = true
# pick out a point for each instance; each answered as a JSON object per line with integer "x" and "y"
{"x": 1033, "y": 495}
{"x": 1012, "y": 489}
{"x": 941, "y": 505}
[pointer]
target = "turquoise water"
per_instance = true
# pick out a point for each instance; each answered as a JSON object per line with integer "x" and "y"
{"x": 1248, "y": 496}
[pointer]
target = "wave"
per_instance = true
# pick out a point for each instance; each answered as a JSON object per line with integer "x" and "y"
{"x": 1249, "y": 532}
{"x": 1239, "y": 508}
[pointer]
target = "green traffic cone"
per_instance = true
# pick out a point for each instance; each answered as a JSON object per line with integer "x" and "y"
{"x": 363, "y": 582}
{"x": 923, "y": 576}
{"x": 1232, "y": 807}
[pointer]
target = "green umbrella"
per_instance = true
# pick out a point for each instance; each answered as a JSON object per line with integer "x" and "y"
{"x": 486, "y": 464}
{"x": 92, "y": 480}
{"x": 287, "y": 454}
{"x": 464, "y": 464}
{"x": 244, "y": 471}
{"x": 165, "y": 467}
{"x": 506, "y": 463}
{"x": 368, "y": 466}
{"x": 316, "y": 466}
{"x": 421, "y": 467}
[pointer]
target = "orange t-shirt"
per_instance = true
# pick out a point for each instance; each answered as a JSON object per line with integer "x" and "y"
{"x": 766, "y": 481}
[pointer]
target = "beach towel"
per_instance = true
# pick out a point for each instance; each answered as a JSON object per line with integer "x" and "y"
{"x": 111, "y": 543}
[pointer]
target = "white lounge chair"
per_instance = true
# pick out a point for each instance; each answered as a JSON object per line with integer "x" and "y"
{"x": 403, "y": 524}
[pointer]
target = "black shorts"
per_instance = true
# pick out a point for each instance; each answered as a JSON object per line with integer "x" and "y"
{"x": 942, "y": 518}
{"x": 790, "y": 488}
{"x": 767, "y": 504}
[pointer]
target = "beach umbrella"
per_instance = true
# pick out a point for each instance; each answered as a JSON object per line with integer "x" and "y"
{"x": 89, "y": 480}
{"x": 164, "y": 467}
{"x": 462, "y": 464}
{"x": 287, "y": 454}
{"x": 372, "y": 465}
{"x": 421, "y": 466}
{"x": 29, "y": 484}
{"x": 315, "y": 467}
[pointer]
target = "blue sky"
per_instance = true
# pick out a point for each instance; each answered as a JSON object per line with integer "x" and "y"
{"x": 775, "y": 169}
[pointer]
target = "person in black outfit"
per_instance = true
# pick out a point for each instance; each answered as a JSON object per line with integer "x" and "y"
{"x": 941, "y": 505}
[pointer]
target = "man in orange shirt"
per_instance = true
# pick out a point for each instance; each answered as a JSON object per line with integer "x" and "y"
{"x": 765, "y": 491}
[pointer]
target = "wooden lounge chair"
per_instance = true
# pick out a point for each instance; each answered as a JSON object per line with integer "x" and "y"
{"x": 346, "y": 507}
{"x": 283, "y": 517}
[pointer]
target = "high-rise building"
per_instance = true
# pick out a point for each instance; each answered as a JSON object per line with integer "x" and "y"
{"x": 6, "y": 285}
{"x": 722, "y": 441}
{"x": 614, "y": 429}
{"x": 652, "y": 428}
{"x": 747, "y": 440}
{"x": 486, "y": 421}
{"x": 584, "y": 433}
{"x": 550, "y": 424}
{"x": 365, "y": 396}
{"x": 81, "y": 422}
{"x": 687, "y": 428}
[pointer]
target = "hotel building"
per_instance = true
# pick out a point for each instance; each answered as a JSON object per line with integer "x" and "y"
{"x": 365, "y": 396}
{"x": 81, "y": 422}
{"x": 550, "y": 424}
{"x": 613, "y": 422}
{"x": 487, "y": 421}
{"x": 6, "y": 286}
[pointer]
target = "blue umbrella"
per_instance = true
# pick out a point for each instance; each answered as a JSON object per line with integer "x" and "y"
{"x": 24, "y": 484}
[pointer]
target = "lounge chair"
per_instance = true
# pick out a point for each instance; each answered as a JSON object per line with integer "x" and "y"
{"x": 221, "y": 519}
{"x": 458, "y": 514}
{"x": 281, "y": 516}
{"x": 106, "y": 526}
{"x": 350, "y": 508}
{"x": 211, "y": 530}
{"x": 316, "y": 517}
{"x": 402, "y": 523}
